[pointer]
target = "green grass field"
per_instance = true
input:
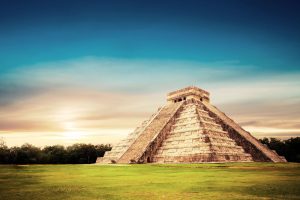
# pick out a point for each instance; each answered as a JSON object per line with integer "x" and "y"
{"x": 185, "y": 181}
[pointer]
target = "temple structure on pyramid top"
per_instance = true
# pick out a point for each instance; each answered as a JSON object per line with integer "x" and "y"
{"x": 188, "y": 129}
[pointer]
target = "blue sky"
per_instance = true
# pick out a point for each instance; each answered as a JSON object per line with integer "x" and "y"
{"x": 246, "y": 53}
{"x": 264, "y": 33}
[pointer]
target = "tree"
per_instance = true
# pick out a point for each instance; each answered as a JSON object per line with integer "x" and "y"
{"x": 4, "y": 152}
{"x": 26, "y": 154}
{"x": 274, "y": 144}
{"x": 278, "y": 146}
{"x": 265, "y": 141}
{"x": 55, "y": 154}
{"x": 289, "y": 148}
{"x": 101, "y": 149}
{"x": 292, "y": 151}
{"x": 81, "y": 153}
{"x": 2, "y": 142}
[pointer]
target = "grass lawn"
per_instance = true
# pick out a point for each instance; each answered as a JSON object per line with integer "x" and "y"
{"x": 182, "y": 181}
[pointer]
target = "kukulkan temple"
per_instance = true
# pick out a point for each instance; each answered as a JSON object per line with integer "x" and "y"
{"x": 188, "y": 129}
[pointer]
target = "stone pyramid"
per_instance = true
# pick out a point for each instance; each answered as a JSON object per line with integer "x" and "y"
{"x": 189, "y": 130}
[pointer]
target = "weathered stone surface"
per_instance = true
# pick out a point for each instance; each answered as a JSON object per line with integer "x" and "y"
{"x": 119, "y": 149}
{"x": 191, "y": 140}
{"x": 243, "y": 138}
{"x": 189, "y": 130}
{"x": 149, "y": 138}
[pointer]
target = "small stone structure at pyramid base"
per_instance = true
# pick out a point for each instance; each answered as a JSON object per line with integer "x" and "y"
{"x": 189, "y": 130}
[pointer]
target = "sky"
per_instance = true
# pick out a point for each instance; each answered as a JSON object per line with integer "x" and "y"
{"x": 91, "y": 71}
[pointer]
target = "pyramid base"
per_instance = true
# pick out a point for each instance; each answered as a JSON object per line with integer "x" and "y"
{"x": 207, "y": 158}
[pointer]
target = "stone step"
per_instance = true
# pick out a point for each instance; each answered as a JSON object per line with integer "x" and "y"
{"x": 192, "y": 115}
{"x": 208, "y": 119}
{"x": 186, "y": 130}
{"x": 170, "y": 152}
{"x": 189, "y": 145}
{"x": 223, "y": 146}
{"x": 211, "y": 131}
{"x": 184, "y": 147}
{"x": 194, "y": 138}
{"x": 221, "y": 140}
{"x": 205, "y": 157}
{"x": 214, "y": 126}
{"x": 188, "y": 109}
{"x": 187, "y": 127}
{"x": 183, "y": 120}
{"x": 209, "y": 123}
{"x": 195, "y": 121}
{"x": 197, "y": 132}
{"x": 204, "y": 152}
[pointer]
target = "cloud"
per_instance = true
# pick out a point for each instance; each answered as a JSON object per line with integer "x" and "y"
{"x": 11, "y": 91}
{"x": 98, "y": 94}
{"x": 280, "y": 113}
{"x": 123, "y": 75}
{"x": 28, "y": 125}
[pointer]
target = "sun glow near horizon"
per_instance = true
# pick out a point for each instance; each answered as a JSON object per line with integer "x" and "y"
{"x": 71, "y": 132}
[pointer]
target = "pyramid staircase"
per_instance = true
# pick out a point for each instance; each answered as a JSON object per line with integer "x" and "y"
{"x": 196, "y": 137}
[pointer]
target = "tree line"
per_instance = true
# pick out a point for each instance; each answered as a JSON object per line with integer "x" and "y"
{"x": 289, "y": 148}
{"x": 88, "y": 153}
{"x": 56, "y": 154}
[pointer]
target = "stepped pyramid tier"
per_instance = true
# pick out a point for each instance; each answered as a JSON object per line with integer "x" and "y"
{"x": 123, "y": 145}
{"x": 189, "y": 130}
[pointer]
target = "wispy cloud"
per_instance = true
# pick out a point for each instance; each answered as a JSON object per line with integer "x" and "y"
{"x": 101, "y": 94}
